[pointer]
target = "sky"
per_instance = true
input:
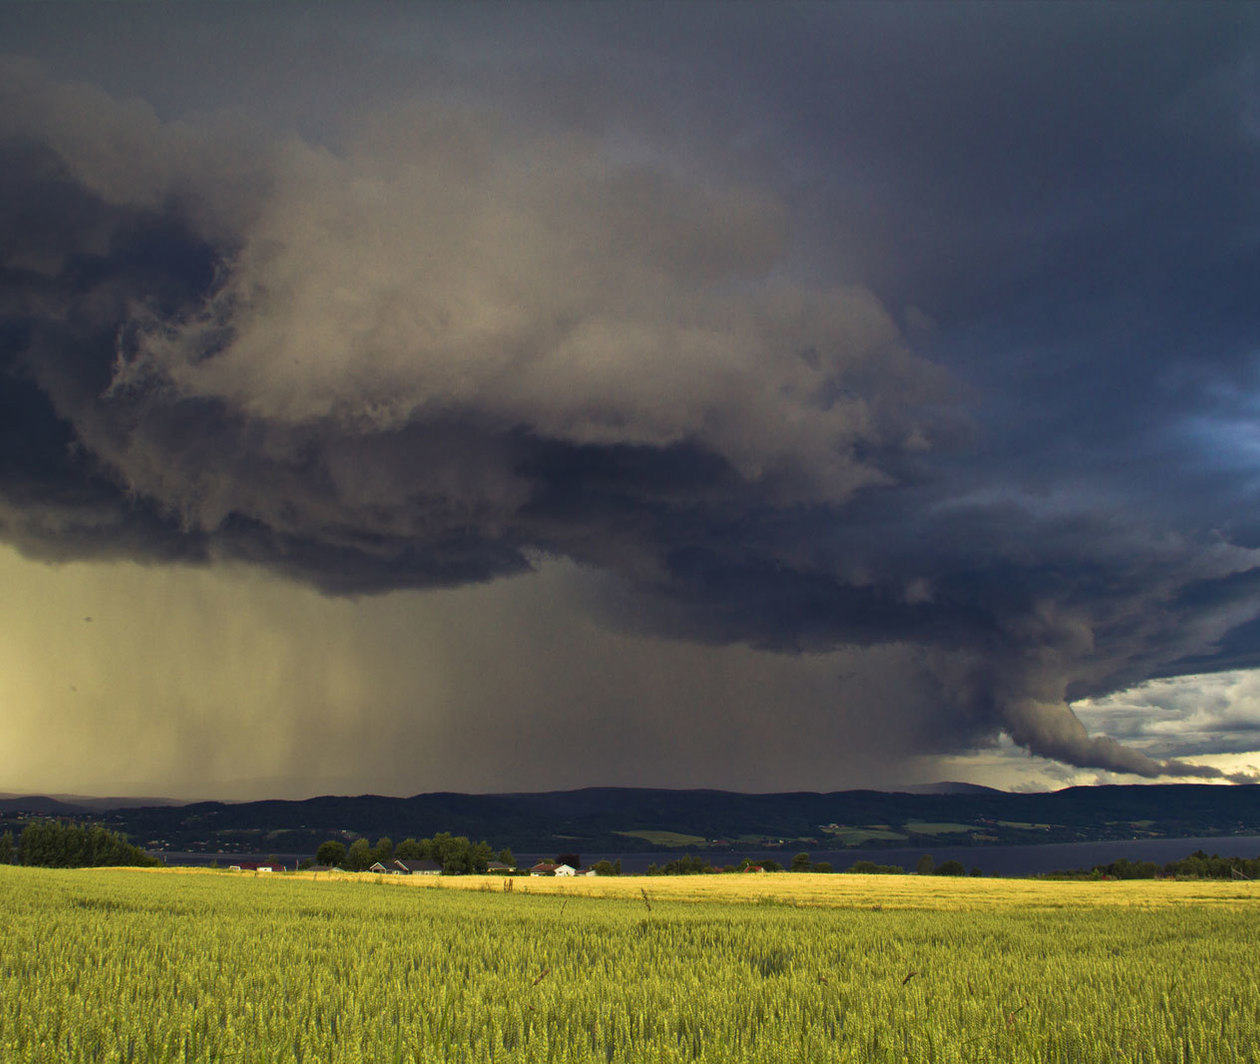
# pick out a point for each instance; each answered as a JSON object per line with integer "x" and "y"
{"x": 407, "y": 398}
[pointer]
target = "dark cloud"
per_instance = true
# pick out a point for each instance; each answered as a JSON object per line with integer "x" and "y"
{"x": 932, "y": 337}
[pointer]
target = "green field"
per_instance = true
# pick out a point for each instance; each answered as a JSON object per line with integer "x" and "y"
{"x": 925, "y": 827}
{"x": 664, "y": 838}
{"x": 121, "y": 965}
{"x": 847, "y": 836}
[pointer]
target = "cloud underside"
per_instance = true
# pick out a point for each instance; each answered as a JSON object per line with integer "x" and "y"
{"x": 450, "y": 347}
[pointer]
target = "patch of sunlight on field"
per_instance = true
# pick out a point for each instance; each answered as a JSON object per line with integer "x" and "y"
{"x": 928, "y": 827}
{"x": 858, "y": 836}
{"x": 843, "y": 890}
{"x": 664, "y": 838}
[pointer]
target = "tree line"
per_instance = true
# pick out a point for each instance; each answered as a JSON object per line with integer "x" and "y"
{"x": 802, "y": 862}
{"x": 54, "y": 844}
{"x": 1199, "y": 865}
{"x": 457, "y": 854}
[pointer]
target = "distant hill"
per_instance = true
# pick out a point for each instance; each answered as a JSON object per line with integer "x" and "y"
{"x": 948, "y": 787}
{"x": 626, "y": 820}
{"x": 75, "y": 804}
{"x": 41, "y": 804}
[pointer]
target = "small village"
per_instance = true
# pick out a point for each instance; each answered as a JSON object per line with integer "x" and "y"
{"x": 398, "y": 867}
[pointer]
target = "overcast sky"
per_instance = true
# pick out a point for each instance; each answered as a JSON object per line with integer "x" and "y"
{"x": 774, "y": 397}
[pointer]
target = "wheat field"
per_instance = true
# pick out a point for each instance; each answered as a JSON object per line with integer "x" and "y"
{"x": 854, "y": 891}
{"x": 157, "y": 966}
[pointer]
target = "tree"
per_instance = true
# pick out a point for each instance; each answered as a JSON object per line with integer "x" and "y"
{"x": 331, "y": 853}
{"x": 505, "y": 856}
{"x": 687, "y": 865}
{"x": 359, "y": 856}
{"x": 454, "y": 853}
{"x": 409, "y": 850}
{"x": 52, "y": 844}
{"x": 822, "y": 866}
{"x": 951, "y": 868}
{"x": 573, "y": 860}
{"x": 6, "y": 848}
{"x": 39, "y": 844}
{"x": 802, "y": 863}
{"x": 771, "y": 866}
{"x": 479, "y": 857}
{"x": 606, "y": 868}
{"x": 383, "y": 851}
{"x": 444, "y": 849}
{"x": 926, "y": 865}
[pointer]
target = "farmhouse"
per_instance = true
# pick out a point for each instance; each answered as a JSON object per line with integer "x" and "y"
{"x": 257, "y": 866}
{"x": 564, "y": 870}
{"x": 544, "y": 868}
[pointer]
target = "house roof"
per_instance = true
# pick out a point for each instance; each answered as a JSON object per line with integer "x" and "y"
{"x": 417, "y": 866}
{"x": 545, "y": 866}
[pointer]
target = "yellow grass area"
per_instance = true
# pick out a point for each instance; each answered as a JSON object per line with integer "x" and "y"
{"x": 839, "y": 891}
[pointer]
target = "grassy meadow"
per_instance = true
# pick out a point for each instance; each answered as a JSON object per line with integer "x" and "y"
{"x": 142, "y": 965}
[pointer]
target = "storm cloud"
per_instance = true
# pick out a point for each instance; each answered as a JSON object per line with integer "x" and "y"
{"x": 892, "y": 335}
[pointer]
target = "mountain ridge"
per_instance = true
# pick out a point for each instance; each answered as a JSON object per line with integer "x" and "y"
{"x": 610, "y": 819}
